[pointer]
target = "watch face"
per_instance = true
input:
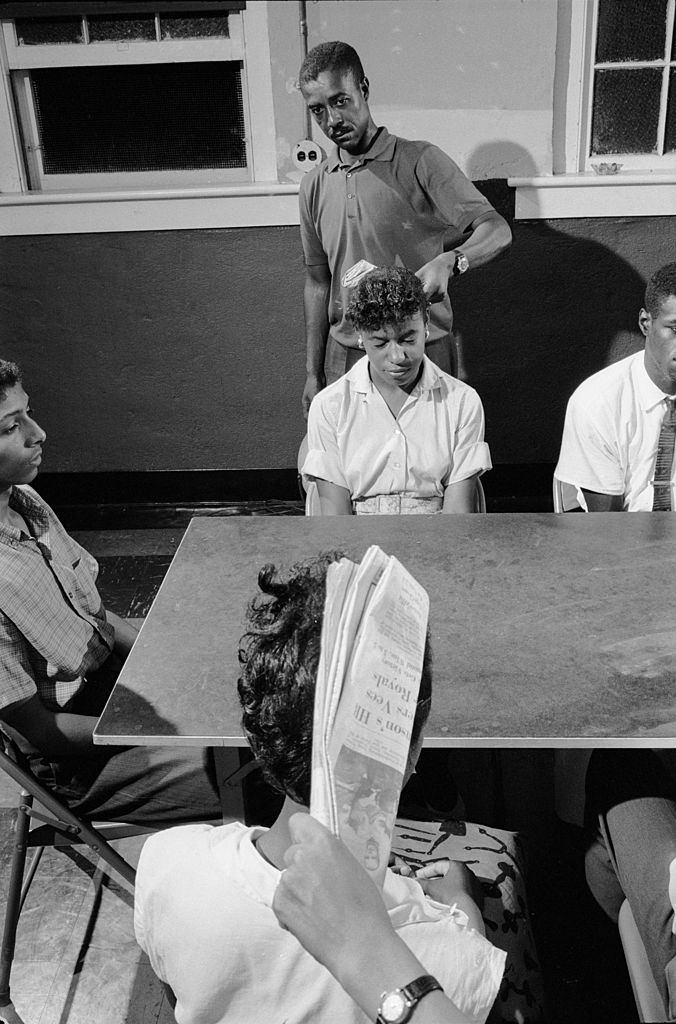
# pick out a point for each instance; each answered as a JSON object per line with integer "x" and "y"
{"x": 394, "y": 1008}
{"x": 461, "y": 263}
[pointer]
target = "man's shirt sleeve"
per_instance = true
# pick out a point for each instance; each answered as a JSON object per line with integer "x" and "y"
{"x": 313, "y": 249}
{"x": 16, "y": 675}
{"x": 589, "y": 456}
{"x": 457, "y": 201}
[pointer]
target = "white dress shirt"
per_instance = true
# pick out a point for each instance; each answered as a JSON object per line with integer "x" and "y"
{"x": 437, "y": 439}
{"x": 611, "y": 433}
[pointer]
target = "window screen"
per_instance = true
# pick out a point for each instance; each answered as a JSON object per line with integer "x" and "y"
{"x": 634, "y": 106}
{"x": 626, "y": 111}
{"x": 153, "y": 117}
{"x": 631, "y": 30}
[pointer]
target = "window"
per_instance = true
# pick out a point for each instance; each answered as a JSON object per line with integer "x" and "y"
{"x": 136, "y": 95}
{"x": 631, "y": 116}
{"x": 614, "y": 114}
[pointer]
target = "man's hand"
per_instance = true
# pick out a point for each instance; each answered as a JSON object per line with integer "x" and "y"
{"x": 434, "y": 276}
{"x": 313, "y": 385}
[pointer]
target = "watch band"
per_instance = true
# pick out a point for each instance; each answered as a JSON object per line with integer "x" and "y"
{"x": 398, "y": 1006}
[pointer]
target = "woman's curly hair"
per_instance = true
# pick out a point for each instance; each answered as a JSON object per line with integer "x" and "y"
{"x": 279, "y": 657}
{"x": 386, "y": 295}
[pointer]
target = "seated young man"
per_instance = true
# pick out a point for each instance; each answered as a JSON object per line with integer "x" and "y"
{"x": 204, "y": 894}
{"x": 618, "y": 438}
{"x": 395, "y": 434}
{"x": 60, "y": 652}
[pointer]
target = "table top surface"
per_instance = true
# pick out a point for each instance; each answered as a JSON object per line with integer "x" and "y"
{"x": 550, "y": 630}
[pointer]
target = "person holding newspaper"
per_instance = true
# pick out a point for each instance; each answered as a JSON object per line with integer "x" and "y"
{"x": 337, "y": 914}
{"x": 395, "y": 434}
{"x": 204, "y": 895}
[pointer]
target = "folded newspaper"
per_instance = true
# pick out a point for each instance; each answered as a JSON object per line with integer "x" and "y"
{"x": 372, "y": 647}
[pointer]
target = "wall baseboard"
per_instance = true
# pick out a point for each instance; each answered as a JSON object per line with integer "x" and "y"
{"x": 118, "y": 500}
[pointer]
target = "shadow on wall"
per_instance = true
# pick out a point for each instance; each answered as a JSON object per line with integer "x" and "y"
{"x": 534, "y": 323}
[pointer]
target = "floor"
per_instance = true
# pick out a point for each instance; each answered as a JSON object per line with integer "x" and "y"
{"x": 76, "y": 959}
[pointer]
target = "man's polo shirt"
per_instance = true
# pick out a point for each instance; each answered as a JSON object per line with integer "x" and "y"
{"x": 437, "y": 439}
{"x": 611, "y": 433}
{"x": 53, "y": 627}
{"x": 391, "y": 206}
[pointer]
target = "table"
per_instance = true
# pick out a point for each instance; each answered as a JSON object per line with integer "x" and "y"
{"x": 547, "y": 630}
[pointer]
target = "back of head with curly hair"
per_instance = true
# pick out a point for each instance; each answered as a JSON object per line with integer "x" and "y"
{"x": 279, "y": 655}
{"x": 386, "y": 295}
{"x": 10, "y": 375}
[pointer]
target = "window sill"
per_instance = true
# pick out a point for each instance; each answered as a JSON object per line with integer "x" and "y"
{"x": 259, "y": 204}
{"x": 631, "y": 194}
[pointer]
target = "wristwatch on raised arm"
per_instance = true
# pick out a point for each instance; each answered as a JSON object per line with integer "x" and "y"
{"x": 398, "y": 1006}
{"x": 461, "y": 263}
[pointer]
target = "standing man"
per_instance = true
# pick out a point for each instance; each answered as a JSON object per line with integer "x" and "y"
{"x": 382, "y": 199}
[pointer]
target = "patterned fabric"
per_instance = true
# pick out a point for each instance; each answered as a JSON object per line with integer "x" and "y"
{"x": 665, "y": 460}
{"x": 53, "y": 627}
{"x": 497, "y": 860}
{"x": 397, "y": 505}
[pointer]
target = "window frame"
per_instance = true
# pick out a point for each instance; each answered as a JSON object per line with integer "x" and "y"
{"x": 584, "y": 26}
{"x": 573, "y": 189}
{"x": 194, "y": 203}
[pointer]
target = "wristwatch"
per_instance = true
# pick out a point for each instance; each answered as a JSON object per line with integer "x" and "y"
{"x": 397, "y": 1007}
{"x": 461, "y": 263}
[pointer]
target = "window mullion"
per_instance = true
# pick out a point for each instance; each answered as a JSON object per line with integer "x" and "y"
{"x": 664, "y": 95}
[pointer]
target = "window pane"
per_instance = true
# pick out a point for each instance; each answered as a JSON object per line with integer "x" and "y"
{"x": 153, "y": 117}
{"x": 631, "y": 30}
{"x": 108, "y": 27}
{"x": 182, "y": 26}
{"x": 36, "y": 31}
{"x": 626, "y": 109}
{"x": 670, "y": 133}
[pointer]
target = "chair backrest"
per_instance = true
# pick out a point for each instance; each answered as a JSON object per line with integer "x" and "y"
{"x": 302, "y": 453}
{"x": 646, "y": 994}
{"x": 564, "y": 496}
{"x": 479, "y": 497}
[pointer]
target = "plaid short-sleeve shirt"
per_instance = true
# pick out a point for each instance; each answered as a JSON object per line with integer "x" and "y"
{"x": 53, "y": 627}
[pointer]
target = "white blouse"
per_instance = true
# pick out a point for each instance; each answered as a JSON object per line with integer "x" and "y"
{"x": 437, "y": 439}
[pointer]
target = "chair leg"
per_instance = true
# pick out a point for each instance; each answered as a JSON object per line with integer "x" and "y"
{"x": 15, "y": 898}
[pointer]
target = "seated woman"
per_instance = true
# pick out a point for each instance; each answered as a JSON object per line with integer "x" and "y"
{"x": 395, "y": 434}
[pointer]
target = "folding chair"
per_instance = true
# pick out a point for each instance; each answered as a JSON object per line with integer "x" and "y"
{"x": 479, "y": 497}
{"x": 59, "y": 827}
{"x": 564, "y": 497}
{"x": 649, "y": 1003}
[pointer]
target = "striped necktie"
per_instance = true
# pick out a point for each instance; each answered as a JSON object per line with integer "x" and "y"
{"x": 664, "y": 460}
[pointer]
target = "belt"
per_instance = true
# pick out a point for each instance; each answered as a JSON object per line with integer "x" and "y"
{"x": 401, "y": 504}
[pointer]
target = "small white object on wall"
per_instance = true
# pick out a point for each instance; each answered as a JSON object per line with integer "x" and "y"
{"x": 307, "y": 154}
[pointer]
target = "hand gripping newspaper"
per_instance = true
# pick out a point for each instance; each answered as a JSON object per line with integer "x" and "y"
{"x": 372, "y": 647}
